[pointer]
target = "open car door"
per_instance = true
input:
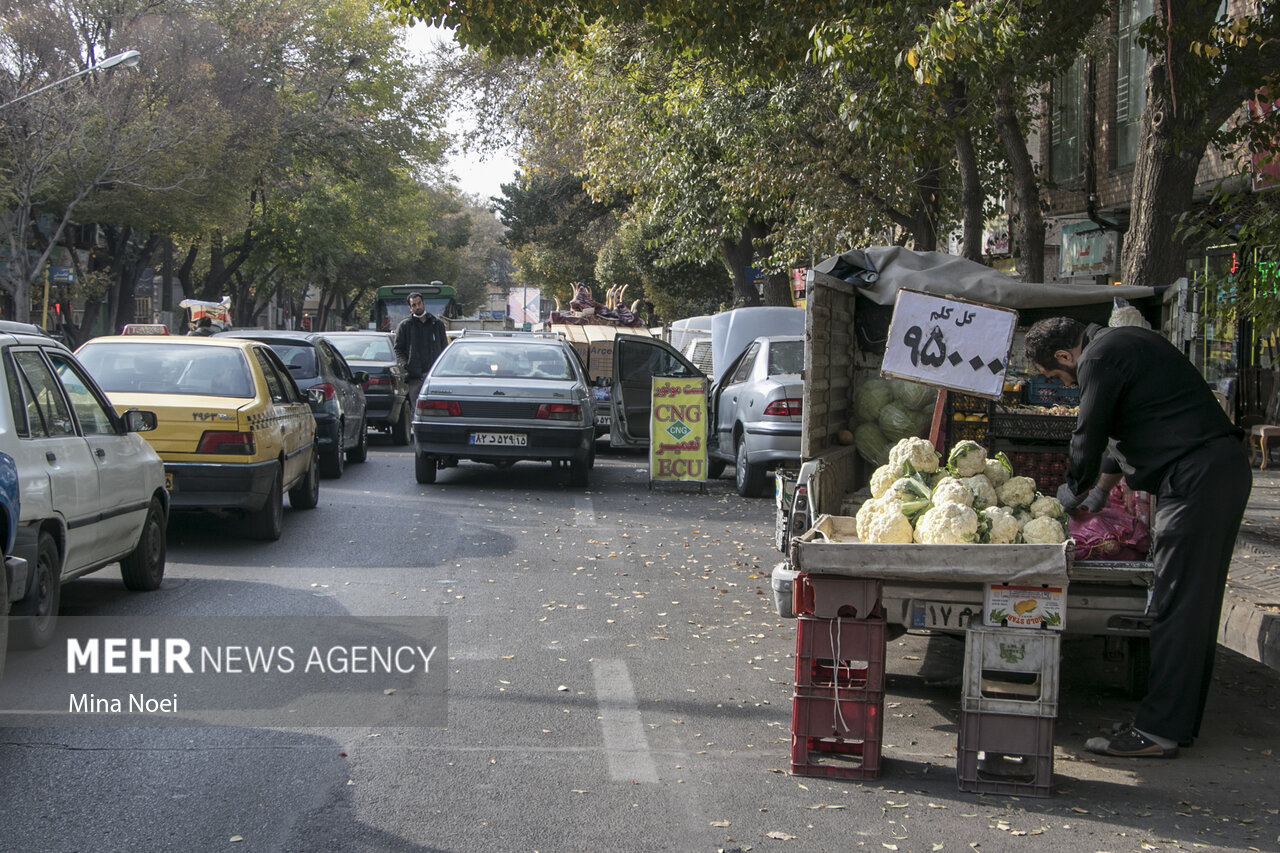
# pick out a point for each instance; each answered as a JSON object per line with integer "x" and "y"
{"x": 636, "y": 360}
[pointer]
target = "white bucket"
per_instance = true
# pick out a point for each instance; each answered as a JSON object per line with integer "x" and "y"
{"x": 783, "y": 577}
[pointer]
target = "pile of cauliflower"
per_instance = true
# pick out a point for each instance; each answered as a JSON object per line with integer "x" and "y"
{"x": 970, "y": 500}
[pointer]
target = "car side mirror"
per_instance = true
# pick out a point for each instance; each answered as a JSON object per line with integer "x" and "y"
{"x": 360, "y": 377}
{"x": 315, "y": 396}
{"x": 136, "y": 420}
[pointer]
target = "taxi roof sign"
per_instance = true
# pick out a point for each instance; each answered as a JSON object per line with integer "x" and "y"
{"x": 145, "y": 329}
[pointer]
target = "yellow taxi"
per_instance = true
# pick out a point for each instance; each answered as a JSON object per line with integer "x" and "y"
{"x": 234, "y": 431}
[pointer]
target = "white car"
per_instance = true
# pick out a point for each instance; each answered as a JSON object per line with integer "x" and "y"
{"x": 92, "y": 489}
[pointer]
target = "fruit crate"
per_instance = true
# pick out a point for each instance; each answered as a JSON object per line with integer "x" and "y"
{"x": 1042, "y": 391}
{"x": 840, "y": 654}
{"x": 1008, "y": 754}
{"x": 835, "y": 597}
{"x": 836, "y": 738}
{"x": 1011, "y": 671}
{"x": 1029, "y": 427}
{"x": 1047, "y": 465}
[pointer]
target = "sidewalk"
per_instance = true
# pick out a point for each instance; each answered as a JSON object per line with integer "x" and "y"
{"x": 1250, "y": 621}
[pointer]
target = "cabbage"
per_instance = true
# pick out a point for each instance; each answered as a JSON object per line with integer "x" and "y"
{"x": 898, "y": 422}
{"x": 913, "y": 395}
{"x": 871, "y": 443}
{"x": 869, "y": 398}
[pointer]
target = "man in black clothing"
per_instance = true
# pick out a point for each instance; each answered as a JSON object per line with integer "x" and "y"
{"x": 420, "y": 338}
{"x": 1145, "y": 407}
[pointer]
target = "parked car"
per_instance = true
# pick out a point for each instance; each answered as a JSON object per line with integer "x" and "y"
{"x": 92, "y": 488}
{"x": 386, "y": 391}
{"x": 234, "y": 430}
{"x": 755, "y": 406}
{"x": 340, "y": 416}
{"x": 504, "y": 397}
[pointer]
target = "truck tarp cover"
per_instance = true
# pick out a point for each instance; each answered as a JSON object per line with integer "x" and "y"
{"x": 880, "y": 271}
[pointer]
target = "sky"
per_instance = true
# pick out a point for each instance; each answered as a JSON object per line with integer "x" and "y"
{"x": 475, "y": 175}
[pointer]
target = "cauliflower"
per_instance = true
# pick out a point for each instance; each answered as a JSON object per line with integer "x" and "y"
{"x": 984, "y": 494}
{"x": 948, "y": 524}
{"x": 998, "y": 470}
{"x": 1047, "y": 507}
{"x": 911, "y": 494}
{"x": 967, "y": 459}
{"x": 912, "y": 455}
{"x": 998, "y": 526}
{"x": 1043, "y": 531}
{"x": 880, "y": 521}
{"x": 881, "y": 479}
{"x": 951, "y": 491}
{"x": 1018, "y": 492}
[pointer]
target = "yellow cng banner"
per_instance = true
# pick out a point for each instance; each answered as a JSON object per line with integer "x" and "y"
{"x": 678, "y": 430}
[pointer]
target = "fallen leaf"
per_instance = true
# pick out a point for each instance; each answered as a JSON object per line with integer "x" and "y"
{"x": 388, "y": 691}
{"x": 780, "y": 836}
{"x": 720, "y": 823}
{"x": 236, "y": 838}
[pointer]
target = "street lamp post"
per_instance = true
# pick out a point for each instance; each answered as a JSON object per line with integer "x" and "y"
{"x": 128, "y": 59}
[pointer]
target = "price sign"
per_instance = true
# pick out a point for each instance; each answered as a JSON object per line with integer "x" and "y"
{"x": 950, "y": 343}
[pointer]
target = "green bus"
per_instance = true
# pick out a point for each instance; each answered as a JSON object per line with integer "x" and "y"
{"x": 390, "y": 303}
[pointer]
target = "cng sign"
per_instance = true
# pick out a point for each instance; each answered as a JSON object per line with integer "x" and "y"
{"x": 678, "y": 430}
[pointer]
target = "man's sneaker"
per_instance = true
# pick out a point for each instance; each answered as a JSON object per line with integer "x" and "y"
{"x": 1117, "y": 728}
{"x": 1129, "y": 743}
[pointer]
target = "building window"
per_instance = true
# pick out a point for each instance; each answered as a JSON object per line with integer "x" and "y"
{"x": 1131, "y": 79}
{"x": 1067, "y": 108}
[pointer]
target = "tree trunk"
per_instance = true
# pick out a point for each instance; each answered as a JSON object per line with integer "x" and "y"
{"x": 738, "y": 255}
{"x": 777, "y": 285}
{"x": 924, "y": 210}
{"x": 971, "y": 191}
{"x": 1026, "y": 225}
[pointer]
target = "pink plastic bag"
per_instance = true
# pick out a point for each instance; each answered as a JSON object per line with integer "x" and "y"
{"x": 1111, "y": 535}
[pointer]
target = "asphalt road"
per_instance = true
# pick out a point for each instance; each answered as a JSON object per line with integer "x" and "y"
{"x": 617, "y": 680}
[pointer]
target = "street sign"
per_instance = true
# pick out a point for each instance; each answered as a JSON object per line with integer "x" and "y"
{"x": 949, "y": 343}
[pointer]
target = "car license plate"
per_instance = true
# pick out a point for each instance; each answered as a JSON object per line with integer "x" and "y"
{"x": 168, "y": 482}
{"x": 602, "y": 420}
{"x": 944, "y": 614}
{"x": 500, "y": 439}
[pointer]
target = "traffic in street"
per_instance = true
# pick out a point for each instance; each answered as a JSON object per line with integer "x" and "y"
{"x": 618, "y": 679}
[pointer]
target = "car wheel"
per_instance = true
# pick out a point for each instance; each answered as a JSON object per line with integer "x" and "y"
{"x": 360, "y": 452}
{"x": 579, "y": 470}
{"x": 306, "y": 492}
{"x": 748, "y": 478}
{"x": 401, "y": 429}
{"x": 40, "y": 607}
{"x": 267, "y": 523}
{"x": 715, "y": 468}
{"x": 424, "y": 468}
{"x": 142, "y": 570}
{"x": 334, "y": 461}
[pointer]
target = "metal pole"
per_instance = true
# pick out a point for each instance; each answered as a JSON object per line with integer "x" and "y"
{"x": 44, "y": 315}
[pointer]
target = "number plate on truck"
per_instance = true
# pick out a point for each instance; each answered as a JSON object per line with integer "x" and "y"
{"x": 944, "y": 614}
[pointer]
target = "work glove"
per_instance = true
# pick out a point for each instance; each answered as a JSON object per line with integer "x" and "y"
{"x": 1067, "y": 498}
{"x": 1095, "y": 501}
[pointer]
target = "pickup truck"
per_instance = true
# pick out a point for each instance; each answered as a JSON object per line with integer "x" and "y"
{"x": 850, "y": 301}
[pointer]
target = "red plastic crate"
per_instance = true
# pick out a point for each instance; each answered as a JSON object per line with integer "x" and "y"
{"x": 845, "y": 653}
{"x": 1005, "y": 754}
{"x": 835, "y": 597}
{"x": 839, "y": 738}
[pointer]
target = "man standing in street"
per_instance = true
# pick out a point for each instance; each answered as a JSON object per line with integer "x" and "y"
{"x": 420, "y": 338}
{"x": 1143, "y": 398}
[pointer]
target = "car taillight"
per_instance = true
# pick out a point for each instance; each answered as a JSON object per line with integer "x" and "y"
{"x": 215, "y": 441}
{"x": 377, "y": 382}
{"x": 439, "y": 408}
{"x": 329, "y": 392}
{"x": 789, "y": 407}
{"x": 559, "y": 412}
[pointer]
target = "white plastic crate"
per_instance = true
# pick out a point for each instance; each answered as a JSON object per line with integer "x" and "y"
{"x": 1011, "y": 671}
